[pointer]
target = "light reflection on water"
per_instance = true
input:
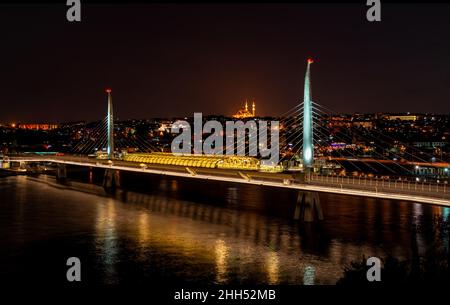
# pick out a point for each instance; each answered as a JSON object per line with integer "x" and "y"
{"x": 221, "y": 253}
{"x": 150, "y": 237}
{"x": 106, "y": 237}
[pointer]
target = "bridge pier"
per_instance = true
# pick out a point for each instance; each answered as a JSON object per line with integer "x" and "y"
{"x": 61, "y": 172}
{"x": 307, "y": 207}
{"x": 111, "y": 180}
{"x": 22, "y": 165}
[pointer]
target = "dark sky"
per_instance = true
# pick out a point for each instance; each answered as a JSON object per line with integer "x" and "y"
{"x": 172, "y": 60}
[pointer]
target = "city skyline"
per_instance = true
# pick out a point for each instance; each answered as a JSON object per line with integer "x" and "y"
{"x": 174, "y": 60}
{"x": 372, "y": 115}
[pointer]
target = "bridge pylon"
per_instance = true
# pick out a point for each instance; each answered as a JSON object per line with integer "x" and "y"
{"x": 308, "y": 147}
{"x": 110, "y": 123}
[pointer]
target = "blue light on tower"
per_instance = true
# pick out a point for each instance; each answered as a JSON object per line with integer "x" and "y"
{"x": 110, "y": 148}
{"x": 308, "y": 148}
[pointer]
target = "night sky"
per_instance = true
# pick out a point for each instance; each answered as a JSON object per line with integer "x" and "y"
{"x": 172, "y": 60}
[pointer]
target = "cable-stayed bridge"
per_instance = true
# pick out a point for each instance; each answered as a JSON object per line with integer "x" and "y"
{"x": 389, "y": 189}
{"x": 301, "y": 166}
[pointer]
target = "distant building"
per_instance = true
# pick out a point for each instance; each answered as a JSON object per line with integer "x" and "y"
{"x": 363, "y": 124}
{"x": 245, "y": 113}
{"x": 403, "y": 117}
{"x": 430, "y": 144}
{"x": 34, "y": 126}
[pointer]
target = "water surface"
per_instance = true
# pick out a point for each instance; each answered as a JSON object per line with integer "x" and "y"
{"x": 163, "y": 230}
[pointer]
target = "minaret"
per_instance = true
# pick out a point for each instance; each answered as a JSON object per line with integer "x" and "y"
{"x": 246, "y": 106}
{"x": 110, "y": 149}
{"x": 308, "y": 146}
{"x": 253, "y": 108}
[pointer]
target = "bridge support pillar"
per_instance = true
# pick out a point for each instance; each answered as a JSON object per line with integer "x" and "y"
{"x": 111, "y": 180}
{"x": 22, "y": 165}
{"x": 61, "y": 172}
{"x": 308, "y": 207}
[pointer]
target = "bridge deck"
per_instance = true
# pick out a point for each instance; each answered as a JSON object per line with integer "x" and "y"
{"x": 433, "y": 194}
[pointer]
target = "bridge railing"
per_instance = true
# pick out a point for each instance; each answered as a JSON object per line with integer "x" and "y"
{"x": 439, "y": 190}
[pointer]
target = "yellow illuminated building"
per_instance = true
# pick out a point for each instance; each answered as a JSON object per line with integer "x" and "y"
{"x": 245, "y": 113}
{"x": 205, "y": 161}
{"x": 403, "y": 117}
{"x": 37, "y": 126}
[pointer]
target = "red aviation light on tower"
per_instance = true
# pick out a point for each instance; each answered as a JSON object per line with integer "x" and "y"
{"x": 108, "y": 90}
{"x": 310, "y": 60}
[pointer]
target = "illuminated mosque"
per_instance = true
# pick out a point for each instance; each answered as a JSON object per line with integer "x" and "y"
{"x": 244, "y": 113}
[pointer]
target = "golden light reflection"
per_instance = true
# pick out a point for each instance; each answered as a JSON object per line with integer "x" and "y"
{"x": 273, "y": 267}
{"x": 106, "y": 240}
{"x": 221, "y": 261}
{"x": 143, "y": 229}
{"x": 437, "y": 210}
{"x": 174, "y": 185}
